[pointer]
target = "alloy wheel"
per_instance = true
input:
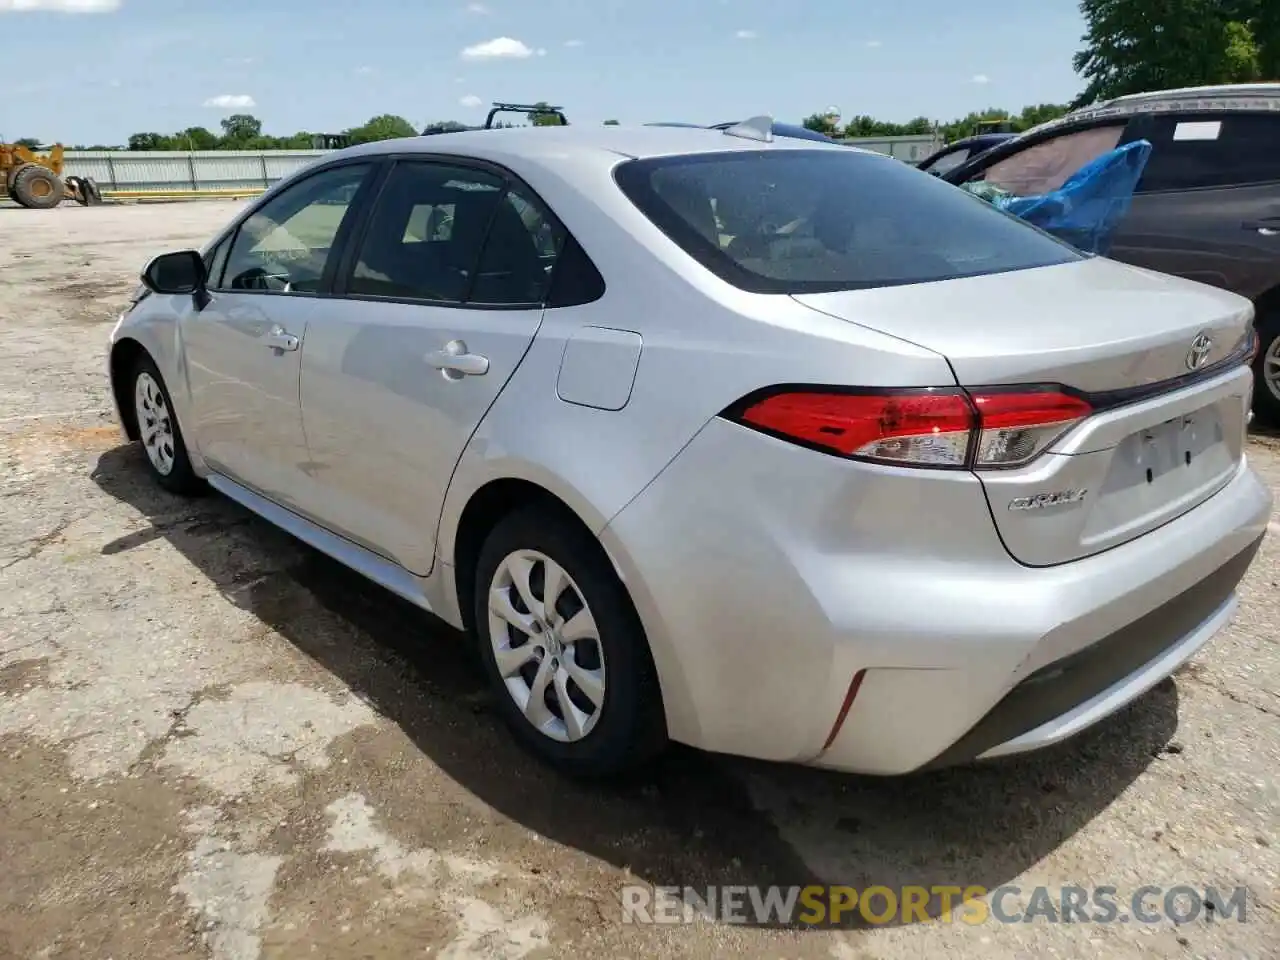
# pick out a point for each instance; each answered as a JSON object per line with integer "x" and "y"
{"x": 155, "y": 423}
{"x": 546, "y": 645}
{"x": 1271, "y": 368}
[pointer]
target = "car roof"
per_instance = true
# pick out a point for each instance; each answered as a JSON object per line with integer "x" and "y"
{"x": 1261, "y": 97}
{"x": 608, "y": 143}
{"x": 793, "y": 130}
{"x": 1224, "y": 90}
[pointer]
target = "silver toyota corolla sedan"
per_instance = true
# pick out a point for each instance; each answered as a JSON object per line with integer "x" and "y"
{"x": 768, "y": 447}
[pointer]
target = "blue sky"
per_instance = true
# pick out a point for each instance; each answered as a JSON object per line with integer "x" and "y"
{"x": 85, "y": 71}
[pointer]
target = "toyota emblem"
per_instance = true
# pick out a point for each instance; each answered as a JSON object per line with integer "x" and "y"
{"x": 1198, "y": 355}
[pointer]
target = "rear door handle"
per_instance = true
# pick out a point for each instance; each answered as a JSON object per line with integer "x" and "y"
{"x": 281, "y": 339}
{"x": 455, "y": 362}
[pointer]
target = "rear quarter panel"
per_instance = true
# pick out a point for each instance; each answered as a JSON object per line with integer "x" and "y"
{"x": 705, "y": 344}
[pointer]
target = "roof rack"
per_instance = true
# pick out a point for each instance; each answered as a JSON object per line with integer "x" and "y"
{"x": 535, "y": 109}
{"x": 1204, "y": 93}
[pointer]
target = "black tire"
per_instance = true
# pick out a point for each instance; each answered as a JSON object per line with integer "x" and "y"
{"x": 9, "y": 177}
{"x": 1266, "y": 403}
{"x": 91, "y": 191}
{"x": 37, "y": 187}
{"x": 630, "y": 729}
{"x": 180, "y": 478}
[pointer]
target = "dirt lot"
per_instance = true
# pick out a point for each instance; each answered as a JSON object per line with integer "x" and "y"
{"x": 215, "y": 743}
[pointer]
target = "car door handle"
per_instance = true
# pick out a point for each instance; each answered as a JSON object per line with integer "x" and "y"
{"x": 455, "y": 362}
{"x": 281, "y": 339}
{"x": 1268, "y": 228}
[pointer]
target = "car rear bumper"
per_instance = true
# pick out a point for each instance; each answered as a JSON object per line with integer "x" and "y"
{"x": 769, "y": 578}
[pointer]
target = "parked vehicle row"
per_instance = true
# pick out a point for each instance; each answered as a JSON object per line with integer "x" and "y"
{"x": 765, "y": 445}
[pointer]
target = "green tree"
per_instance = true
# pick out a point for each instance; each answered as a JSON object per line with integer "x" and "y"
{"x": 147, "y": 141}
{"x": 821, "y": 123}
{"x": 1266, "y": 29}
{"x": 239, "y": 130}
{"x": 1131, "y": 46}
{"x": 611, "y": 123}
{"x": 302, "y": 140}
{"x": 973, "y": 122}
{"x": 386, "y": 126}
{"x": 197, "y": 138}
{"x": 1263, "y": 20}
{"x": 445, "y": 126}
{"x": 1040, "y": 113}
{"x": 540, "y": 118}
{"x": 31, "y": 143}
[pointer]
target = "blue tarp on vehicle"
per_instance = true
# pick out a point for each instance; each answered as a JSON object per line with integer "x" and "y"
{"x": 1088, "y": 207}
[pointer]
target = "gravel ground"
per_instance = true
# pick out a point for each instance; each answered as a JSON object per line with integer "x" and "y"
{"x": 216, "y": 743}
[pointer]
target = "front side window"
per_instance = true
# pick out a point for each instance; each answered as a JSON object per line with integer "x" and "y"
{"x": 809, "y": 221}
{"x": 285, "y": 245}
{"x": 215, "y": 260}
{"x": 1211, "y": 150}
{"x": 452, "y": 235}
{"x": 1047, "y": 165}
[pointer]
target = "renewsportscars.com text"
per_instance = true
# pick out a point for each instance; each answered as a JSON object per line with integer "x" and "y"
{"x": 877, "y": 905}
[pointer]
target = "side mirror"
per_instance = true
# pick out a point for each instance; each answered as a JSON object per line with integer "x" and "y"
{"x": 176, "y": 273}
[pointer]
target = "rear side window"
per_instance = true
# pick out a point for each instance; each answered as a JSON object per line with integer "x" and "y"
{"x": 809, "y": 221}
{"x": 427, "y": 232}
{"x": 1211, "y": 150}
{"x": 455, "y": 235}
{"x": 519, "y": 253}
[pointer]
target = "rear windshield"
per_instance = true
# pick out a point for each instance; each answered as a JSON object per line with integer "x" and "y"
{"x": 811, "y": 221}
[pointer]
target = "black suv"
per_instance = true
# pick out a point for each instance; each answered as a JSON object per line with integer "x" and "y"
{"x": 1207, "y": 206}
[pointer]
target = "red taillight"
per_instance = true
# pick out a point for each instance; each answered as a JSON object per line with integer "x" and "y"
{"x": 1017, "y": 427}
{"x": 930, "y": 428}
{"x": 946, "y": 428}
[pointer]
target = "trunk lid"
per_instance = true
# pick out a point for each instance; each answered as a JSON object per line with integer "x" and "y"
{"x": 1095, "y": 325}
{"x": 1169, "y": 430}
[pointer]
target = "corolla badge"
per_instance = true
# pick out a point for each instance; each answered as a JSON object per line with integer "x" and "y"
{"x": 1059, "y": 498}
{"x": 1198, "y": 355}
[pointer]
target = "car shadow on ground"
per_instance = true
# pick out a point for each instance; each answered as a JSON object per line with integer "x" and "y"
{"x": 692, "y": 819}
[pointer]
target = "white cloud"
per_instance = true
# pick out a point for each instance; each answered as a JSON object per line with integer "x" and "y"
{"x": 471, "y": 101}
{"x": 874, "y": 43}
{"x": 479, "y": 9}
{"x": 231, "y": 101}
{"x": 364, "y": 71}
{"x": 499, "y": 48}
{"x": 746, "y": 34}
{"x": 541, "y": 51}
{"x": 241, "y": 61}
{"x": 60, "y": 6}
{"x": 980, "y": 78}
{"x": 573, "y": 43}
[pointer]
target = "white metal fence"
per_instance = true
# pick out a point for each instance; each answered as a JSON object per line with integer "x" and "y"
{"x": 201, "y": 171}
{"x": 910, "y": 149}
{"x": 140, "y": 173}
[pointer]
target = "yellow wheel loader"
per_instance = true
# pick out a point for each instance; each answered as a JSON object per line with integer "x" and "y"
{"x": 35, "y": 180}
